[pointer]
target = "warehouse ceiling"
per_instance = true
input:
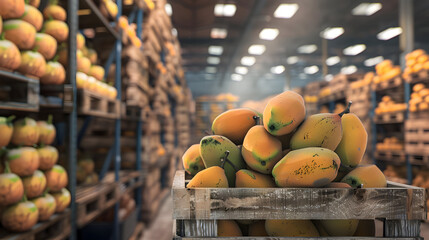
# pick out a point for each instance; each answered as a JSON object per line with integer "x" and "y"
{"x": 213, "y": 70}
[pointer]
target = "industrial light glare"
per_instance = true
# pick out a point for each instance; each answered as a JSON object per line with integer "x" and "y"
{"x": 349, "y": 69}
{"x": 256, "y": 49}
{"x": 389, "y": 33}
{"x": 366, "y": 9}
{"x": 292, "y": 60}
{"x": 211, "y": 69}
{"x": 236, "y": 77}
{"x": 311, "y": 69}
{"x": 332, "y": 33}
{"x": 278, "y": 69}
{"x": 329, "y": 77}
{"x": 354, "y": 50}
{"x": 331, "y": 61}
{"x": 286, "y": 10}
{"x": 209, "y": 76}
{"x": 174, "y": 32}
{"x": 241, "y": 70}
{"x": 225, "y": 10}
{"x": 248, "y": 61}
{"x": 168, "y": 9}
{"x": 307, "y": 49}
{"x": 215, "y": 50}
{"x": 218, "y": 33}
{"x": 269, "y": 34}
{"x": 213, "y": 60}
{"x": 373, "y": 61}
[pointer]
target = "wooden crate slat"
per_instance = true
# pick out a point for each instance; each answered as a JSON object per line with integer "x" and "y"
{"x": 93, "y": 104}
{"x": 390, "y": 117}
{"x": 394, "y": 202}
{"x": 392, "y": 83}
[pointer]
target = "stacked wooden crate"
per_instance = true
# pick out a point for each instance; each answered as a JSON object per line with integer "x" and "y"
{"x": 311, "y": 93}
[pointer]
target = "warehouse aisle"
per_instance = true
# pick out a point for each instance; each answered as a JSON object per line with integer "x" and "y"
{"x": 161, "y": 227}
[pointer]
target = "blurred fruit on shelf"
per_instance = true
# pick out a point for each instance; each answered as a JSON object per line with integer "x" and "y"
{"x": 11, "y": 57}
{"x": 6, "y": 129}
{"x": 20, "y": 32}
{"x": 46, "y": 45}
{"x": 23, "y": 161}
{"x": 57, "y": 29}
{"x": 12, "y": 8}
{"x": 20, "y": 217}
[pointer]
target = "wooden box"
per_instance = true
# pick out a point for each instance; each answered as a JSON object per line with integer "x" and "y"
{"x": 195, "y": 211}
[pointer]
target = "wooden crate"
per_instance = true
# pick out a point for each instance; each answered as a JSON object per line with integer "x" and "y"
{"x": 57, "y": 227}
{"x": 392, "y": 83}
{"x": 419, "y": 159}
{"x": 90, "y": 103}
{"x": 390, "y": 117}
{"x": 93, "y": 200}
{"x": 129, "y": 180}
{"x": 421, "y": 76}
{"x": 18, "y": 92}
{"x": 397, "y": 157}
{"x": 417, "y": 137}
{"x": 196, "y": 211}
{"x": 419, "y": 115}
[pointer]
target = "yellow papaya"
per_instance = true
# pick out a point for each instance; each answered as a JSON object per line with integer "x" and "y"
{"x": 212, "y": 177}
{"x": 367, "y": 176}
{"x": 290, "y": 228}
{"x": 228, "y": 228}
{"x": 192, "y": 161}
{"x": 340, "y": 228}
{"x": 251, "y": 179}
{"x": 284, "y": 113}
{"x": 307, "y": 167}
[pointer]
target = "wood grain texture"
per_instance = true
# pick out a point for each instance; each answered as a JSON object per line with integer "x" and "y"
{"x": 394, "y": 202}
{"x": 403, "y": 228}
{"x": 294, "y": 238}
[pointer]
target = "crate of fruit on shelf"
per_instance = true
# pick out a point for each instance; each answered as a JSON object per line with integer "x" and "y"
{"x": 389, "y": 111}
{"x": 388, "y": 76}
{"x": 32, "y": 183}
{"x": 419, "y": 101}
{"x": 417, "y": 140}
{"x": 340, "y": 84}
{"x": 417, "y": 69}
{"x": 293, "y": 176}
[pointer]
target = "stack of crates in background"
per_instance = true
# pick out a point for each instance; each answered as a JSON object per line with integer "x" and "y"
{"x": 311, "y": 96}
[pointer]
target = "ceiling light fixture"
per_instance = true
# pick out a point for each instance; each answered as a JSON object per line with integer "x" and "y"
{"x": 285, "y": 10}
{"x": 354, "y": 50}
{"x": 256, "y": 49}
{"x": 213, "y": 60}
{"x": 307, "y": 49}
{"x": 331, "y": 61}
{"x": 366, "y": 9}
{"x": 211, "y": 69}
{"x": 215, "y": 50}
{"x": 241, "y": 70}
{"x": 311, "y": 69}
{"x": 236, "y": 77}
{"x": 373, "y": 61}
{"x": 332, "y": 33}
{"x": 389, "y": 33}
{"x": 292, "y": 60}
{"x": 269, "y": 34}
{"x": 218, "y": 33}
{"x": 349, "y": 69}
{"x": 248, "y": 61}
{"x": 278, "y": 69}
{"x": 168, "y": 9}
{"x": 224, "y": 10}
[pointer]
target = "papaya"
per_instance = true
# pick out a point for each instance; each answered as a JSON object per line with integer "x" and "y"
{"x": 47, "y": 131}
{"x": 55, "y": 12}
{"x": 33, "y": 16}
{"x": 92, "y": 56}
{"x": 257, "y": 229}
{"x": 20, "y": 32}
{"x": 46, "y": 45}
{"x": 62, "y": 199}
{"x": 20, "y": 217}
{"x": 32, "y": 63}
{"x": 34, "y": 3}
{"x": 367, "y": 176}
{"x": 25, "y": 132}
{"x": 11, "y": 188}
{"x": 212, "y": 177}
{"x": 10, "y": 57}
{"x": 6, "y": 128}
{"x": 284, "y": 113}
{"x": 307, "y": 167}
{"x": 46, "y": 205}
{"x": 54, "y": 73}
{"x": 84, "y": 65}
{"x": 290, "y": 228}
{"x": 57, "y": 178}
{"x": 48, "y": 157}
{"x": 12, "y": 8}
{"x": 260, "y": 150}
{"x": 340, "y": 228}
{"x": 319, "y": 130}
{"x": 192, "y": 162}
{"x": 96, "y": 71}
{"x": 57, "y": 29}
{"x": 80, "y": 41}
{"x": 235, "y": 123}
{"x": 365, "y": 228}
{"x": 212, "y": 150}
{"x": 353, "y": 142}
{"x": 250, "y": 179}
{"x": 342, "y": 172}
{"x": 228, "y": 228}
{"x": 337, "y": 185}
{"x": 35, "y": 184}
{"x": 23, "y": 161}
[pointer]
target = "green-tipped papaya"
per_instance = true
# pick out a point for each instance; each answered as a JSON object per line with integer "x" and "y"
{"x": 307, "y": 167}
{"x": 284, "y": 113}
{"x": 212, "y": 177}
{"x": 353, "y": 143}
{"x": 212, "y": 150}
{"x": 234, "y": 124}
{"x": 192, "y": 162}
{"x": 261, "y": 151}
{"x": 366, "y": 176}
{"x": 250, "y": 179}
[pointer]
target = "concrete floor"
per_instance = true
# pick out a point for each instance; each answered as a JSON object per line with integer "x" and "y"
{"x": 162, "y": 227}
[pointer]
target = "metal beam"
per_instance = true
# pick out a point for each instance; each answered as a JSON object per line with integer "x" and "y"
{"x": 239, "y": 44}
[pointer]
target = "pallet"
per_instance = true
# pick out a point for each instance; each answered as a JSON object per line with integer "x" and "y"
{"x": 57, "y": 227}
{"x": 18, "y": 92}
{"x": 134, "y": 113}
{"x": 389, "y": 117}
{"x": 397, "y": 157}
{"x": 385, "y": 85}
{"x": 417, "y": 137}
{"x": 419, "y": 115}
{"x": 421, "y": 76}
{"x": 93, "y": 200}
{"x": 92, "y": 104}
{"x": 419, "y": 160}
{"x": 196, "y": 211}
{"x": 129, "y": 180}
